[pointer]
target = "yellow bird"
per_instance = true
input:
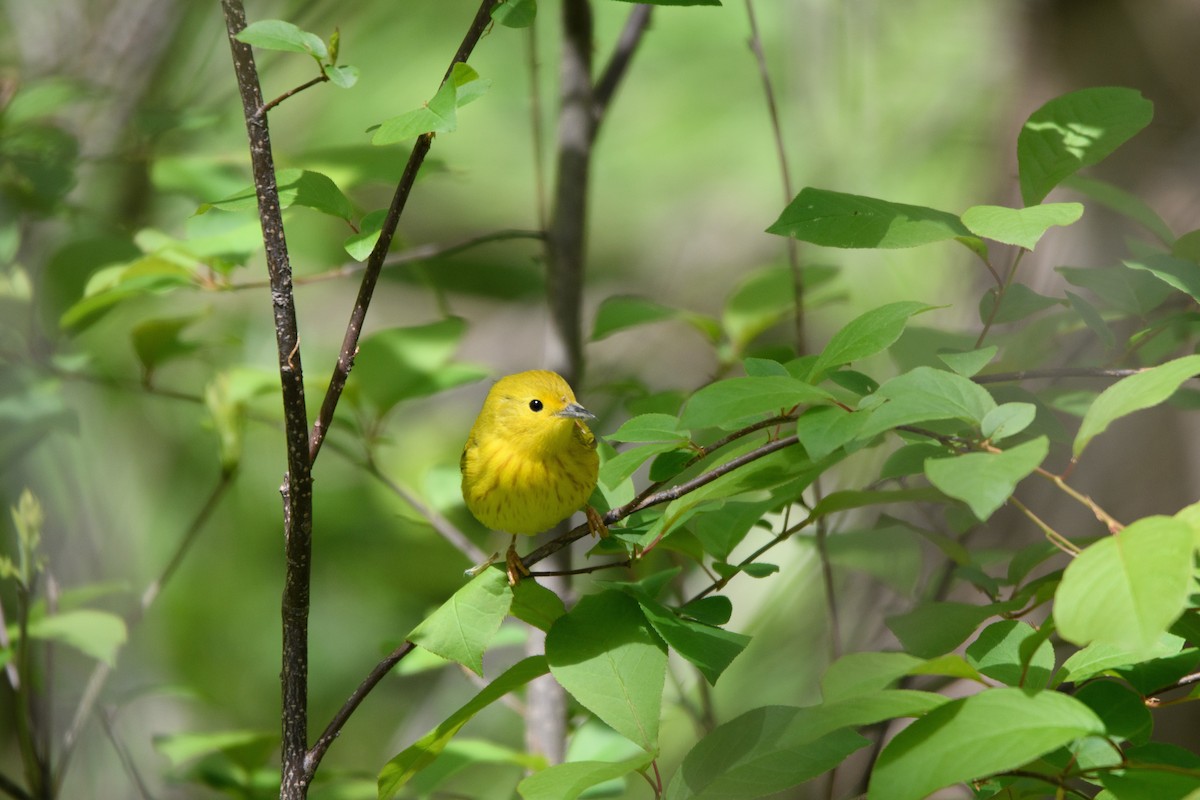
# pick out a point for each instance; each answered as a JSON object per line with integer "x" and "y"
{"x": 530, "y": 460}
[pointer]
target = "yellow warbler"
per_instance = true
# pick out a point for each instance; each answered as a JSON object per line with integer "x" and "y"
{"x": 530, "y": 460}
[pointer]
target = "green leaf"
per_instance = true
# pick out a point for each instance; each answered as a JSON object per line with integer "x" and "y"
{"x": 297, "y": 187}
{"x": 616, "y": 469}
{"x": 536, "y": 605}
{"x": 993, "y": 731}
{"x": 621, "y": 312}
{"x": 1178, "y": 273}
{"x": 649, "y": 428}
{"x": 605, "y": 654}
{"x": 1018, "y": 303}
{"x": 1123, "y": 203}
{"x": 761, "y": 752}
{"x": 397, "y": 364}
{"x": 515, "y": 13}
{"x": 1135, "y": 393}
{"x": 157, "y": 341}
{"x": 400, "y": 769}
{"x": 343, "y": 77}
{"x": 712, "y": 610}
{"x": 1075, "y": 131}
{"x": 1132, "y": 291}
{"x": 933, "y": 629}
{"x": 276, "y": 34}
{"x": 924, "y": 394}
{"x": 969, "y": 363}
{"x": 1007, "y": 420}
{"x": 985, "y": 481}
{"x": 1123, "y": 710}
{"x": 181, "y": 748}
{"x": 834, "y": 219}
{"x": 1014, "y": 653}
{"x": 360, "y": 245}
{"x": 1100, "y": 657}
{"x": 711, "y": 649}
{"x": 1022, "y": 227}
{"x": 570, "y": 780}
{"x": 890, "y": 553}
{"x": 730, "y": 401}
{"x": 823, "y": 429}
{"x": 761, "y": 299}
{"x": 469, "y": 87}
{"x": 461, "y": 629}
{"x": 1127, "y": 589}
{"x": 1092, "y": 318}
{"x": 436, "y": 116}
{"x": 1156, "y": 771}
{"x": 856, "y": 674}
{"x": 866, "y": 335}
{"x": 97, "y": 634}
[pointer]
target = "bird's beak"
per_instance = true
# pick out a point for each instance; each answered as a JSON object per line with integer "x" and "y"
{"x": 575, "y": 411}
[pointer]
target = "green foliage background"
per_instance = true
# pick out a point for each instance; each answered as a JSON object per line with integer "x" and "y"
{"x": 919, "y": 102}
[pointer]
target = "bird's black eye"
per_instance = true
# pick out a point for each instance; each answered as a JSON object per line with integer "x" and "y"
{"x": 535, "y": 405}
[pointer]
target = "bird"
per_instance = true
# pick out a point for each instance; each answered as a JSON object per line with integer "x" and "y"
{"x": 530, "y": 460}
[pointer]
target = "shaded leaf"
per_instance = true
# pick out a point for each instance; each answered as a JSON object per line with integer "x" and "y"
{"x": 835, "y": 219}
{"x": 464, "y": 625}
{"x": 727, "y": 402}
{"x": 865, "y": 335}
{"x": 570, "y": 780}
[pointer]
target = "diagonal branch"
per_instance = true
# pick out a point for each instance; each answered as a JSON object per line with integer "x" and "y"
{"x": 345, "y": 360}
{"x": 618, "y": 63}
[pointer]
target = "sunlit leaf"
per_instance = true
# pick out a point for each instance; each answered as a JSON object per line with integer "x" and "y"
{"x": 1135, "y": 393}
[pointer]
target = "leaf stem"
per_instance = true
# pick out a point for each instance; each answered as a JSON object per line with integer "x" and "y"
{"x": 1056, "y": 538}
{"x": 1102, "y": 515}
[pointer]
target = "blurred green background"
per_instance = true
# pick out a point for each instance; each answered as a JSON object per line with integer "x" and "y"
{"x": 135, "y": 121}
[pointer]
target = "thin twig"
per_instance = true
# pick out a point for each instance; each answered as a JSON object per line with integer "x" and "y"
{"x": 1000, "y": 292}
{"x": 366, "y": 289}
{"x": 1056, "y": 538}
{"x": 312, "y": 759}
{"x": 618, "y": 63}
{"x": 322, "y": 78}
{"x": 125, "y": 758}
{"x": 1102, "y": 515}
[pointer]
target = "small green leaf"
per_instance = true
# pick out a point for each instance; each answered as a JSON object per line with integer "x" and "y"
{"x": 990, "y": 732}
{"x": 1022, "y": 227}
{"x": 760, "y": 300}
{"x": 616, "y": 469}
{"x": 184, "y": 747}
{"x": 401, "y": 768}
{"x": 436, "y": 116}
{"x": 97, "y": 634}
{"x": 985, "y": 481}
{"x": 297, "y": 187}
{"x": 536, "y": 605}
{"x": 712, "y": 610}
{"x": 1074, "y": 131}
{"x": 1092, "y": 318}
{"x": 649, "y": 428}
{"x": 397, "y": 364}
{"x": 157, "y": 341}
{"x": 866, "y": 335}
{"x": 1018, "y": 303}
{"x": 1099, "y": 657}
{"x": 468, "y": 85}
{"x": 462, "y": 628}
{"x": 835, "y": 219}
{"x": 343, "y": 76}
{"x": 515, "y": 13}
{"x": 1132, "y": 291}
{"x": 1123, "y": 710}
{"x": 360, "y": 245}
{"x": 276, "y": 34}
{"x": 969, "y": 363}
{"x": 621, "y": 312}
{"x": 1127, "y": 589}
{"x": 1007, "y": 420}
{"x": 606, "y": 655}
{"x": 1014, "y": 653}
{"x": 710, "y": 649}
{"x": 727, "y": 402}
{"x": 570, "y": 780}
{"x": 1135, "y": 393}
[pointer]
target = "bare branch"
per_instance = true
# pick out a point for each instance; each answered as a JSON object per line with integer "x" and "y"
{"x": 618, "y": 63}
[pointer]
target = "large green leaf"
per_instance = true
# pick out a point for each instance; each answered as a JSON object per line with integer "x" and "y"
{"x": 1022, "y": 227}
{"x": 400, "y": 769}
{"x": 461, "y": 629}
{"x": 932, "y": 629}
{"x": 1127, "y": 589}
{"x": 1014, "y": 653}
{"x": 727, "y": 402}
{"x": 866, "y": 335}
{"x": 1074, "y": 131}
{"x": 922, "y": 395}
{"x": 1179, "y": 273}
{"x": 278, "y": 34}
{"x": 1132, "y": 394}
{"x": 985, "y": 481}
{"x": 835, "y": 219}
{"x": 711, "y": 649}
{"x": 993, "y": 731}
{"x": 98, "y": 634}
{"x": 606, "y": 655}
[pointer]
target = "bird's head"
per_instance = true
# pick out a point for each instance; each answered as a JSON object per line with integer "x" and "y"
{"x": 537, "y": 408}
